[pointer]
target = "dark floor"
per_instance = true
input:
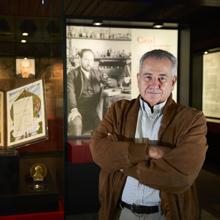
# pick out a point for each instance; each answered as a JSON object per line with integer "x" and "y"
{"x": 208, "y": 185}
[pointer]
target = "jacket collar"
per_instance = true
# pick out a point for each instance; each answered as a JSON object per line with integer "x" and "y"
{"x": 168, "y": 111}
{"x": 131, "y": 118}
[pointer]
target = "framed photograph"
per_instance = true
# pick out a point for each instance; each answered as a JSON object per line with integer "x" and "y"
{"x": 211, "y": 90}
{"x": 25, "y": 68}
{"x": 102, "y": 66}
{"x": 1, "y": 119}
{"x": 26, "y": 119}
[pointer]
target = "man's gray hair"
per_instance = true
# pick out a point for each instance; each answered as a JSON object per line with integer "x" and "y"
{"x": 161, "y": 54}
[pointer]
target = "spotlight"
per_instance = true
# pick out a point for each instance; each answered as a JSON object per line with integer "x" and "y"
{"x": 25, "y": 34}
{"x": 97, "y": 23}
{"x": 23, "y": 41}
{"x": 158, "y": 25}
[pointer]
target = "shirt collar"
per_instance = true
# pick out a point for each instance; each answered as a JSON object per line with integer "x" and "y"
{"x": 157, "y": 109}
{"x": 86, "y": 73}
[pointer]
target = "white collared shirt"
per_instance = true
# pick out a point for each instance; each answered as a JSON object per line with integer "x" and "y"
{"x": 148, "y": 124}
{"x": 86, "y": 73}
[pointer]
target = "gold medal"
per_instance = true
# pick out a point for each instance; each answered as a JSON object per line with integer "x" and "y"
{"x": 38, "y": 172}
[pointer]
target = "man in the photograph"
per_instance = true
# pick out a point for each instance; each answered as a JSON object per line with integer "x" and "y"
{"x": 25, "y": 69}
{"x": 84, "y": 90}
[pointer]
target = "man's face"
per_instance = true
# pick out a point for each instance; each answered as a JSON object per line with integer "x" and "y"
{"x": 87, "y": 60}
{"x": 25, "y": 69}
{"x": 155, "y": 80}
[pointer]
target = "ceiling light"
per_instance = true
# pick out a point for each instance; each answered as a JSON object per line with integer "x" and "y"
{"x": 206, "y": 52}
{"x": 158, "y": 25}
{"x": 23, "y": 41}
{"x": 25, "y": 34}
{"x": 97, "y": 23}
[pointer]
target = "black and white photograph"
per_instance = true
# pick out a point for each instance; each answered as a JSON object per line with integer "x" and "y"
{"x": 102, "y": 66}
{"x": 99, "y": 73}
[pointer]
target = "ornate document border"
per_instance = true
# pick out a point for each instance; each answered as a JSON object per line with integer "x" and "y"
{"x": 26, "y": 118}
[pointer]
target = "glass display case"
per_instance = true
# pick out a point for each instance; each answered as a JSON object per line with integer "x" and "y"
{"x": 31, "y": 45}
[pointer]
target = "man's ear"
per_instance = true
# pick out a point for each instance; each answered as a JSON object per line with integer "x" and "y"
{"x": 174, "y": 81}
{"x": 138, "y": 76}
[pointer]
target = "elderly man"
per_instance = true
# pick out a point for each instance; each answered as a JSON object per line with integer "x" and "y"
{"x": 150, "y": 149}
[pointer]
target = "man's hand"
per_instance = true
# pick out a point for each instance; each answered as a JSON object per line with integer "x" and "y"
{"x": 112, "y": 83}
{"x": 74, "y": 123}
{"x": 157, "y": 152}
{"x": 73, "y": 114}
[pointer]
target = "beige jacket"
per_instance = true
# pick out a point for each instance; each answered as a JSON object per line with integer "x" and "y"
{"x": 114, "y": 148}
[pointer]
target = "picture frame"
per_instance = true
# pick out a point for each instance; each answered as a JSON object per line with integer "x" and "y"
{"x": 26, "y": 115}
{"x": 25, "y": 68}
{"x": 115, "y": 49}
{"x": 211, "y": 91}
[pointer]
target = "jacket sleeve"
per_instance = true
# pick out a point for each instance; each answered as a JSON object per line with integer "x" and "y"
{"x": 110, "y": 150}
{"x": 71, "y": 93}
{"x": 176, "y": 170}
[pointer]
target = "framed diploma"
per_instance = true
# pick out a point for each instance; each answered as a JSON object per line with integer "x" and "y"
{"x": 25, "y": 111}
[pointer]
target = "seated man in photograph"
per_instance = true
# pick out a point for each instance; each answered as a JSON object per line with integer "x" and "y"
{"x": 84, "y": 96}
